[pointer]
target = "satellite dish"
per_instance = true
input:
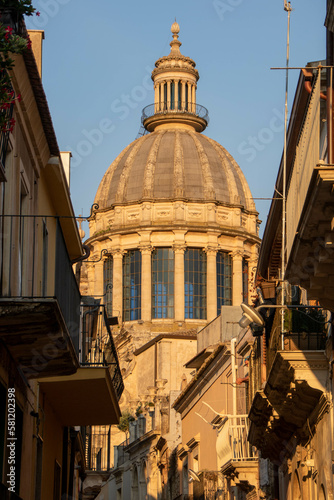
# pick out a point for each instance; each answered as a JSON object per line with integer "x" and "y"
{"x": 193, "y": 476}
{"x": 250, "y": 315}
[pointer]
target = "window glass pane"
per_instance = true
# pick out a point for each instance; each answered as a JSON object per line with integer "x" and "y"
{"x": 132, "y": 286}
{"x": 163, "y": 283}
{"x": 107, "y": 279}
{"x": 195, "y": 283}
{"x": 224, "y": 280}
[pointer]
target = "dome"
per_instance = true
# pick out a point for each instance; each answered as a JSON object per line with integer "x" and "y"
{"x": 174, "y": 164}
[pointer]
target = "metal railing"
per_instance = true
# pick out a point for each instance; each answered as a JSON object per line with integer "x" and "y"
{"x": 305, "y": 330}
{"x": 177, "y": 108}
{"x": 238, "y": 432}
{"x": 97, "y": 345}
{"x": 97, "y": 447}
{"x": 34, "y": 263}
{"x": 234, "y": 435}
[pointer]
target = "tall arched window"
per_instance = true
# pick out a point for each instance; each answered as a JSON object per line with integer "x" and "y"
{"x": 224, "y": 280}
{"x": 179, "y": 93}
{"x": 132, "y": 285}
{"x": 107, "y": 279}
{"x": 163, "y": 283}
{"x": 195, "y": 283}
{"x": 172, "y": 95}
{"x": 186, "y": 96}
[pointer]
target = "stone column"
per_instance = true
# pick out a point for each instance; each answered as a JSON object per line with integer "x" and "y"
{"x": 237, "y": 257}
{"x": 168, "y": 95}
{"x": 211, "y": 282}
{"x": 146, "y": 286}
{"x": 183, "y": 100}
{"x": 189, "y": 96}
{"x": 179, "y": 282}
{"x": 156, "y": 97}
{"x": 194, "y": 94}
{"x": 117, "y": 302}
{"x": 161, "y": 101}
{"x": 193, "y": 97}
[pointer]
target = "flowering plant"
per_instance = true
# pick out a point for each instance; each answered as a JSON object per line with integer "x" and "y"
{"x": 10, "y": 43}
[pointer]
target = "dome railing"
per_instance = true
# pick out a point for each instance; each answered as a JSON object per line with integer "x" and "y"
{"x": 177, "y": 108}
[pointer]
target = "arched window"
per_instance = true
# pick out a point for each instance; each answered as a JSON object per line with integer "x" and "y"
{"x": 186, "y": 97}
{"x": 132, "y": 286}
{"x": 195, "y": 283}
{"x": 172, "y": 95}
{"x": 179, "y": 93}
{"x": 163, "y": 283}
{"x": 224, "y": 280}
{"x": 107, "y": 279}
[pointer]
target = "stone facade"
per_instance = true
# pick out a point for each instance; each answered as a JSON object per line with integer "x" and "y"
{"x": 175, "y": 211}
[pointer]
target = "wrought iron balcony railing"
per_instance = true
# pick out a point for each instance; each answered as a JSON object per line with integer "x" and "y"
{"x": 34, "y": 264}
{"x": 305, "y": 330}
{"x": 97, "y": 347}
{"x": 177, "y": 108}
{"x": 97, "y": 447}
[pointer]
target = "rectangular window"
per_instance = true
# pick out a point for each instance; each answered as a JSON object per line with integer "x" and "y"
{"x": 132, "y": 286}
{"x": 195, "y": 283}
{"x": 224, "y": 280}
{"x": 163, "y": 283}
{"x": 108, "y": 283}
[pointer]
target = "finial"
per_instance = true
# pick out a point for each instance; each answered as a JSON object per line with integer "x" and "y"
{"x": 175, "y": 29}
{"x": 175, "y": 44}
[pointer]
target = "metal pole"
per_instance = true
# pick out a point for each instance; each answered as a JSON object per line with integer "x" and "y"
{"x": 287, "y": 8}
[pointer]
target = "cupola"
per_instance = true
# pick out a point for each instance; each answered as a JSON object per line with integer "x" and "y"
{"x": 175, "y": 80}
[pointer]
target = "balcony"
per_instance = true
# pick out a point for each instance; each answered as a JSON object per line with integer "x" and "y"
{"x": 91, "y": 395}
{"x": 181, "y": 112}
{"x": 39, "y": 297}
{"x": 236, "y": 457}
{"x": 293, "y": 401}
{"x": 305, "y": 329}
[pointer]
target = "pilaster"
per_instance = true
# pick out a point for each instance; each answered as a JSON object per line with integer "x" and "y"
{"x": 146, "y": 285}
{"x": 179, "y": 281}
{"x": 211, "y": 270}
{"x": 117, "y": 303}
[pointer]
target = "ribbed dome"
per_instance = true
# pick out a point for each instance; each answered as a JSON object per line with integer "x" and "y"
{"x": 174, "y": 164}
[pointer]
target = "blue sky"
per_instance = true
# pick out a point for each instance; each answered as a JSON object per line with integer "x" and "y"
{"x": 97, "y": 58}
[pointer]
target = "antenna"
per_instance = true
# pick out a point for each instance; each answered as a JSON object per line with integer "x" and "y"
{"x": 288, "y": 9}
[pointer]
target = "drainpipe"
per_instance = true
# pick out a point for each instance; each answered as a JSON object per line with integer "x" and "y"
{"x": 234, "y": 378}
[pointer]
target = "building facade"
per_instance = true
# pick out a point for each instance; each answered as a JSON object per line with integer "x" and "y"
{"x": 49, "y": 383}
{"x": 291, "y": 372}
{"x": 173, "y": 233}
